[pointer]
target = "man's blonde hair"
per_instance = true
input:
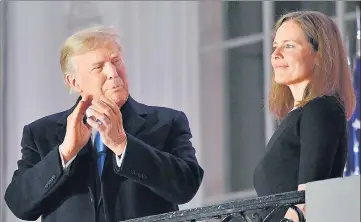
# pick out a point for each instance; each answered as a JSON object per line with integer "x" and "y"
{"x": 332, "y": 75}
{"x": 84, "y": 41}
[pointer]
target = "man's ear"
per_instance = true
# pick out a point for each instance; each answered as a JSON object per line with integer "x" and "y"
{"x": 71, "y": 82}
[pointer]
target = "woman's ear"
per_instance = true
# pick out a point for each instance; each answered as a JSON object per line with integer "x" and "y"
{"x": 316, "y": 60}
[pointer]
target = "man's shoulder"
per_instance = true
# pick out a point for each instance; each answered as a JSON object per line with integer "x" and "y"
{"x": 161, "y": 110}
{"x": 48, "y": 120}
{"x": 163, "y": 113}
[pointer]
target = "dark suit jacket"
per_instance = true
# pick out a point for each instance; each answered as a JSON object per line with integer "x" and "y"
{"x": 159, "y": 170}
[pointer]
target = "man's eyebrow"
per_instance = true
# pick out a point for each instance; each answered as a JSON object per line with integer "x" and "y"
{"x": 115, "y": 55}
{"x": 97, "y": 63}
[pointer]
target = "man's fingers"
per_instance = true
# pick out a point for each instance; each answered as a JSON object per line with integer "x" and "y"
{"x": 102, "y": 107}
{"x": 98, "y": 116}
{"x": 96, "y": 125}
{"x": 110, "y": 103}
{"x": 89, "y": 127}
{"x": 81, "y": 108}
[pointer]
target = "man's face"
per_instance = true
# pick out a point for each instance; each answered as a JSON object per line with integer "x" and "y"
{"x": 100, "y": 72}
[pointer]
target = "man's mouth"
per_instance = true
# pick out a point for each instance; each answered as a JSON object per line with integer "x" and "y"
{"x": 116, "y": 88}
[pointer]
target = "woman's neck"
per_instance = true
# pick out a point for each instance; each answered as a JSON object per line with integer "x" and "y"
{"x": 297, "y": 91}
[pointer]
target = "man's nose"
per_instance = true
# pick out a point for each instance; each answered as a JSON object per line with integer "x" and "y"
{"x": 110, "y": 70}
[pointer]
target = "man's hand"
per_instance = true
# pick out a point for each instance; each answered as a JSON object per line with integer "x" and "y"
{"x": 77, "y": 133}
{"x": 111, "y": 125}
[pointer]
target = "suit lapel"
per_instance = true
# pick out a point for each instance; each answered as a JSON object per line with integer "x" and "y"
{"x": 133, "y": 117}
{"x": 60, "y": 133}
{"x": 134, "y": 125}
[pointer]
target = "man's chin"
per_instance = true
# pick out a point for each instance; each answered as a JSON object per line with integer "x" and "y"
{"x": 118, "y": 97}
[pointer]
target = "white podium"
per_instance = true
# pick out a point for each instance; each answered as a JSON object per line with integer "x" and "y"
{"x": 333, "y": 200}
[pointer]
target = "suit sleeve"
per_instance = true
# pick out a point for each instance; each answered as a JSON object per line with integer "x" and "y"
{"x": 175, "y": 175}
{"x": 35, "y": 181}
{"x": 322, "y": 127}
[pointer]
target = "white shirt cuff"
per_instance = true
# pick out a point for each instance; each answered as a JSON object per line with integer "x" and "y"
{"x": 120, "y": 159}
{"x": 67, "y": 164}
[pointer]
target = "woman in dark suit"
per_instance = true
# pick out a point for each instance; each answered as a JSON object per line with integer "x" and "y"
{"x": 312, "y": 94}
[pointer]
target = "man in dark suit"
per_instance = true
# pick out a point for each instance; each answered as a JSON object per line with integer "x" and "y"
{"x": 108, "y": 158}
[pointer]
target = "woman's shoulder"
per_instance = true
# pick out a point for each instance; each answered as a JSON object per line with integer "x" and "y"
{"x": 327, "y": 107}
{"x": 327, "y": 103}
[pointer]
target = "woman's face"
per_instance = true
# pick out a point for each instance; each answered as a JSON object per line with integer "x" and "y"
{"x": 293, "y": 57}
